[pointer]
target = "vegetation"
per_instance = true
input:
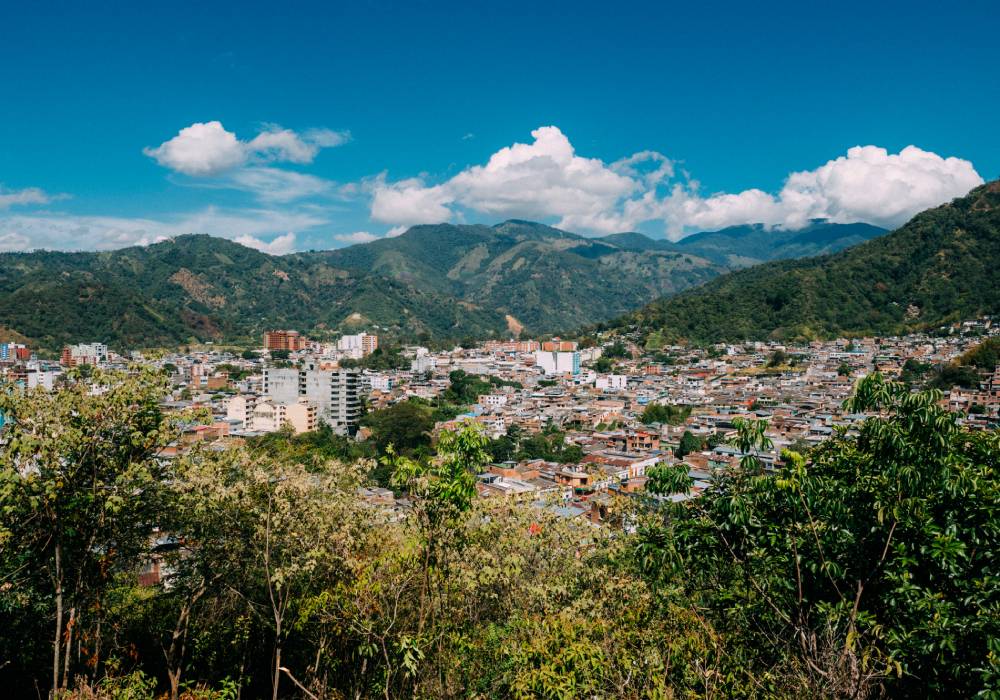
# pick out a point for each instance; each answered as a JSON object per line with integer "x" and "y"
{"x": 406, "y": 426}
{"x": 439, "y": 282}
{"x": 549, "y": 445}
{"x": 322, "y": 445}
{"x": 380, "y": 359}
{"x": 871, "y": 564}
{"x": 866, "y": 568}
{"x": 938, "y": 268}
{"x": 665, "y": 413}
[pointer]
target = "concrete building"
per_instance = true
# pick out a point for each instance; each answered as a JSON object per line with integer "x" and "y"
{"x": 611, "y": 382}
{"x": 557, "y": 362}
{"x": 284, "y": 340}
{"x": 492, "y": 400}
{"x": 269, "y": 416}
{"x": 84, "y": 354}
{"x": 41, "y": 378}
{"x": 240, "y": 409}
{"x": 337, "y": 394}
{"x": 423, "y": 363}
{"x": 281, "y": 384}
{"x": 11, "y": 352}
{"x": 357, "y": 346}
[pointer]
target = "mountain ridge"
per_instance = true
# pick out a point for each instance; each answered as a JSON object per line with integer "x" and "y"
{"x": 941, "y": 266}
{"x": 442, "y": 282}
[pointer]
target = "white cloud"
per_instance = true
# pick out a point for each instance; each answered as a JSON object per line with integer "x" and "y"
{"x": 868, "y": 184}
{"x": 544, "y": 179}
{"x": 29, "y": 195}
{"x": 207, "y": 148}
{"x": 276, "y": 185}
{"x": 68, "y": 232}
{"x": 356, "y": 237}
{"x": 200, "y": 149}
{"x": 396, "y": 231}
{"x": 548, "y": 180}
{"x": 279, "y": 245}
{"x": 411, "y": 202}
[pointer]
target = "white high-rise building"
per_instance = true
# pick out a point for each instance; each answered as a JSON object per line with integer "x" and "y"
{"x": 282, "y": 384}
{"x": 336, "y": 393}
{"x": 357, "y": 346}
{"x": 558, "y": 362}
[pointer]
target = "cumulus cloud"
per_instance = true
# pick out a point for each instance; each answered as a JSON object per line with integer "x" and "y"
{"x": 542, "y": 179}
{"x": 200, "y": 149}
{"x": 68, "y": 232}
{"x": 356, "y": 237}
{"x": 29, "y": 195}
{"x": 279, "y": 245}
{"x": 411, "y": 202}
{"x": 546, "y": 179}
{"x": 206, "y": 149}
{"x": 868, "y": 184}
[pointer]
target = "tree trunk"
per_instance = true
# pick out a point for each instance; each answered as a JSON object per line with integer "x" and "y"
{"x": 97, "y": 645}
{"x": 175, "y": 682}
{"x": 69, "y": 646}
{"x": 277, "y": 666}
{"x": 57, "y": 640}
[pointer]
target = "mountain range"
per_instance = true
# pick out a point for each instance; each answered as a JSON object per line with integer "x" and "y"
{"x": 438, "y": 282}
{"x": 941, "y": 266}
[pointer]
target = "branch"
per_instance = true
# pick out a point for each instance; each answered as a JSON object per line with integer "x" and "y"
{"x": 296, "y": 682}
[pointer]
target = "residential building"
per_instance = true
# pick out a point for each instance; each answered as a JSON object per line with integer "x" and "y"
{"x": 357, "y": 346}
{"x": 269, "y": 416}
{"x": 558, "y": 362}
{"x": 337, "y": 394}
{"x": 84, "y": 354}
{"x": 282, "y": 384}
{"x": 284, "y": 340}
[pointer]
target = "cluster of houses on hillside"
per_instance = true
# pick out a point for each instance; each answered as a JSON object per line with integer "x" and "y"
{"x": 297, "y": 384}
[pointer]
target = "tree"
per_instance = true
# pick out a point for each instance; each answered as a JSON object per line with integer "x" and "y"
{"x": 465, "y": 388}
{"x": 405, "y": 425}
{"x": 603, "y": 365}
{"x": 444, "y": 488}
{"x": 868, "y": 564}
{"x": 665, "y": 413}
{"x": 79, "y": 484}
{"x": 616, "y": 350}
{"x": 689, "y": 443}
{"x": 778, "y": 358}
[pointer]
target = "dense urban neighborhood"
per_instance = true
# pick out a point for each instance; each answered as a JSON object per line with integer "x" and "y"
{"x": 617, "y": 409}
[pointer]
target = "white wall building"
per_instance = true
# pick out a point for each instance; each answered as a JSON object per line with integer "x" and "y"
{"x": 41, "y": 378}
{"x": 336, "y": 393}
{"x": 240, "y": 408}
{"x": 89, "y": 353}
{"x": 492, "y": 400}
{"x": 612, "y": 382}
{"x": 558, "y": 362}
{"x": 281, "y": 384}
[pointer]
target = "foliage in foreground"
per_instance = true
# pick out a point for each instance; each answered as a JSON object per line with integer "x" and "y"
{"x": 867, "y": 566}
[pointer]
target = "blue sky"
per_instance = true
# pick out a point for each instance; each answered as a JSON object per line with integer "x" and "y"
{"x": 660, "y": 117}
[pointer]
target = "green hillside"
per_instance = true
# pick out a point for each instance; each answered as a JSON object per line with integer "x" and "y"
{"x": 742, "y": 246}
{"x": 197, "y": 288}
{"x": 443, "y": 282}
{"x": 943, "y": 265}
